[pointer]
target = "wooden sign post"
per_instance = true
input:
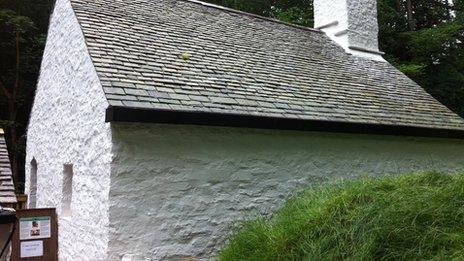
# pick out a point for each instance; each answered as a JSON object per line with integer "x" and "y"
{"x": 36, "y": 235}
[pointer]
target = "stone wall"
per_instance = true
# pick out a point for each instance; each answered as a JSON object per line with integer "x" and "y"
{"x": 176, "y": 191}
{"x": 67, "y": 126}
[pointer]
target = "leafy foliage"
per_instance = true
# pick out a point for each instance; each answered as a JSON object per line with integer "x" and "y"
{"x": 412, "y": 217}
{"x": 295, "y": 15}
{"x": 23, "y": 25}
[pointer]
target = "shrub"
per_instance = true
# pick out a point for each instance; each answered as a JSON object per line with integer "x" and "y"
{"x": 411, "y": 217}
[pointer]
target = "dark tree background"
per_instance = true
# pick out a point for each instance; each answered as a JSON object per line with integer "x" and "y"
{"x": 423, "y": 38}
{"x": 23, "y": 27}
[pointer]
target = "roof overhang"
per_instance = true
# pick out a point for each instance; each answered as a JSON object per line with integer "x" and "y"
{"x": 125, "y": 114}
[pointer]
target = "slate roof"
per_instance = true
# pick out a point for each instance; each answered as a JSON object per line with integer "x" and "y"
{"x": 7, "y": 192}
{"x": 243, "y": 64}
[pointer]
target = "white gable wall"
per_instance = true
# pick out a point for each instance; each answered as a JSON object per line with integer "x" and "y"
{"x": 67, "y": 126}
{"x": 176, "y": 190}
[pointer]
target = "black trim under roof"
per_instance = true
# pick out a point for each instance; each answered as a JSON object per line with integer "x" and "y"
{"x": 124, "y": 114}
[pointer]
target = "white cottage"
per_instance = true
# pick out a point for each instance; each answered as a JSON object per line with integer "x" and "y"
{"x": 157, "y": 125}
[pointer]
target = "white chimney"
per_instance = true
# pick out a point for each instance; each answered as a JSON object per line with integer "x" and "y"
{"x": 350, "y": 23}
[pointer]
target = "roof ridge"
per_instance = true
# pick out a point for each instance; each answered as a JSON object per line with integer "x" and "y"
{"x": 227, "y": 9}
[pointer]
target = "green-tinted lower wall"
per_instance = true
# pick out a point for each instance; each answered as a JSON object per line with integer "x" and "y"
{"x": 177, "y": 190}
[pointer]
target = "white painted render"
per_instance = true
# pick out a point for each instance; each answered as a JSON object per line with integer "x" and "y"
{"x": 67, "y": 126}
{"x": 350, "y": 24}
{"x": 177, "y": 190}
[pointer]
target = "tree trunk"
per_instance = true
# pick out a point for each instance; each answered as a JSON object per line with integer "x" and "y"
{"x": 13, "y": 112}
{"x": 409, "y": 14}
{"x": 399, "y": 5}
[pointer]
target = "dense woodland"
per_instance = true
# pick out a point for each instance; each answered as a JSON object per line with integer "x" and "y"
{"x": 423, "y": 38}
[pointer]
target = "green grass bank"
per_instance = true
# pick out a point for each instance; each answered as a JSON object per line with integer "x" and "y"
{"x": 410, "y": 217}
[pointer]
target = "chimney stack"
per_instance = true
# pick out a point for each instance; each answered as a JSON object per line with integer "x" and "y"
{"x": 350, "y": 23}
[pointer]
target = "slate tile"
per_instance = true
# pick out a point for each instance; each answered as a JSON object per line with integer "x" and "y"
{"x": 135, "y": 92}
{"x": 242, "y": 64}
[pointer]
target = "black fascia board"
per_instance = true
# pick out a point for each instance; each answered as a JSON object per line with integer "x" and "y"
{"x": 127, "y": 114}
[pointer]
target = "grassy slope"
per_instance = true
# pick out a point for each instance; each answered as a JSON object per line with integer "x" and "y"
{"x": 411, "y": 217}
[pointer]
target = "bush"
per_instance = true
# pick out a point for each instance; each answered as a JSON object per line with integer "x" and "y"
{"x": 411, "y": 217}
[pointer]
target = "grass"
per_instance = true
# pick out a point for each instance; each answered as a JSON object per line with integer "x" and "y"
{"x": 412, "y": 217}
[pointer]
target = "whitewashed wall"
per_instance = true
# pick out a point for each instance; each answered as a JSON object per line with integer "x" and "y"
{"x": 67, "y": 126}
{"x": 176, "y": 190}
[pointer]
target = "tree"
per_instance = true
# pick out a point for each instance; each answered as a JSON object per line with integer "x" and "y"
{"x": 433, "y": 53}
{"x": 292, "y": 11}
{"x": 22, "y": 36}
